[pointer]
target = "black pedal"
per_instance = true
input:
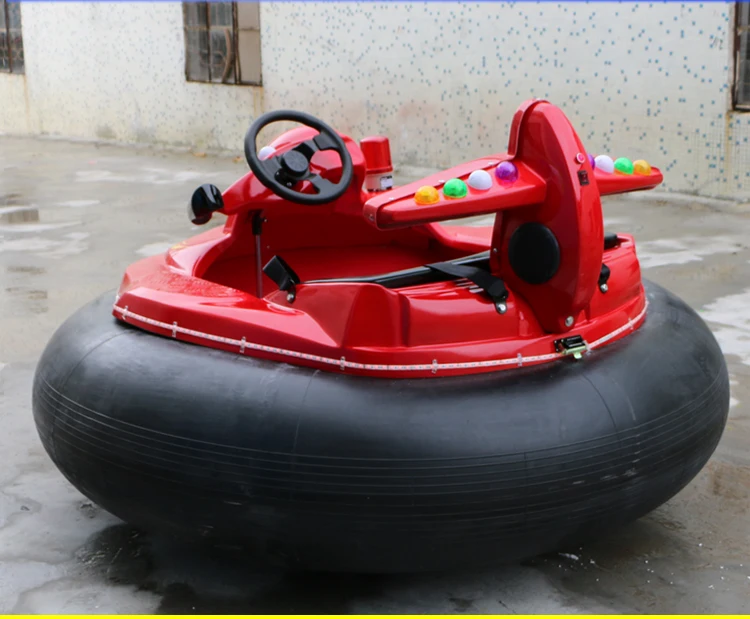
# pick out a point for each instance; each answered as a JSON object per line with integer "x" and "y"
{"x": 282, "y": 275}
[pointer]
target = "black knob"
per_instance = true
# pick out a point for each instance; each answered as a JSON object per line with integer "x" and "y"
{"x": 294, "y": 164}
{"x": 205, "y": 201}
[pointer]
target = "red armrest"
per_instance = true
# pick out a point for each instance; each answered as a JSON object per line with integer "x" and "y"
{"x": 397, "y": 208}
{"x": 609, "y": 184}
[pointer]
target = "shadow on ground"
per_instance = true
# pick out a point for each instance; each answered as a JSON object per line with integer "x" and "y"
{"x": 199, "y": 579}
{"x": 194, "y": 579}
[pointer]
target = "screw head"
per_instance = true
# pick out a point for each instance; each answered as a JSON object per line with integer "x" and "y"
{"x": 290, "y": 297}
{"x": 604, "y": 287}
{"x": 569, "y": 321}
{"x": 501, "y": 307}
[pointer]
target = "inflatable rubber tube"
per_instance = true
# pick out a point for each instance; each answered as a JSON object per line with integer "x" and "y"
{"x": 324, "y": 471}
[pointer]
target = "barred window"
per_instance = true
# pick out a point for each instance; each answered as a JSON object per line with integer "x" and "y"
{"x": 11, "y": 41}
{"x": 222, "y": 42}
{"x": 742, "y": 57}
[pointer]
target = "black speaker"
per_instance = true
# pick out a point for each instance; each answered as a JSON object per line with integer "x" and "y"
{"x": 534, "y": 253}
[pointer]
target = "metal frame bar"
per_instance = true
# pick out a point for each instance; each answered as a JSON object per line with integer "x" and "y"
{"x": 739, "y": 30}
{"x": 7, "y": 36}
{"x": 208, "y": 41}
{"x": 237, "y": 50}
{"x": 235, "y": 45}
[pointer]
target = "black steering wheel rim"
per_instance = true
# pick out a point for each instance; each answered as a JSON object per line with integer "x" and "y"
{"x": 281, "y": 172}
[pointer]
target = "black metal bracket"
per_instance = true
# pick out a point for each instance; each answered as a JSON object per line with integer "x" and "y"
{"x": 574, "y": 345}
{"x": 258, "y": 221}
{"x": 604, "y": 274}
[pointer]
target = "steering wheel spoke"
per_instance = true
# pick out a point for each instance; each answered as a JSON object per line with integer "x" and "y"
{"x": 283, "y": 172}
{"x": 308, "y": 148}
{"x": 323, "y": 142}
{"x": 322, "y": 185}
{"x": 271, "y": 165}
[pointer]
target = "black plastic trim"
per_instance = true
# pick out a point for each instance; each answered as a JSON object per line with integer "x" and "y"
{"x": 413, "y": 277}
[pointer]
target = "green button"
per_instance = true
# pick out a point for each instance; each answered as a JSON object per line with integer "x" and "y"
{"x": 455, "y": 188}
{"x": 624, "y": 166}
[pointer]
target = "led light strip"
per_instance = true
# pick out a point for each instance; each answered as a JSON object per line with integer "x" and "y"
{"x": 243, "y": 344}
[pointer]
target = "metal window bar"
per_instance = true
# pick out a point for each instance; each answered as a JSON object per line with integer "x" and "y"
{"x": 15, "y": 37}
{"x": 200, "y": 48}
{"x": 227, "y": 67}
{"x": 247, "y": 40}
{"x": 230, "y": 68}
{"x": 741, "y": 90}
{"x": 11, "y": 38}
{"x": 6, "y": 28}
{"x": 235, "y": 56}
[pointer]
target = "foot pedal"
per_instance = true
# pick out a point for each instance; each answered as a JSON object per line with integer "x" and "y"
{"x": 283, "y": 276}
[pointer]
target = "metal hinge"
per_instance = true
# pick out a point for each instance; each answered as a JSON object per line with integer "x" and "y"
{"x": 574, "y": 345}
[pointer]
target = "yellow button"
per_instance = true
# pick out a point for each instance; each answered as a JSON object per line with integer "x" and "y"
{"x": 641, "y": 167}
{"x": 426, "y": 195}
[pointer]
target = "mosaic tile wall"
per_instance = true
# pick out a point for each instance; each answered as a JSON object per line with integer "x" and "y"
{"x": 442, "y": 80}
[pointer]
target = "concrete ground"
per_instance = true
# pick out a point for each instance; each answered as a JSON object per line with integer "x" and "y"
{"x": 102, "y": 207}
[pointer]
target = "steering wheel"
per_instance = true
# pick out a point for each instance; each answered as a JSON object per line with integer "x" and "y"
{"x": 281, "y": 173}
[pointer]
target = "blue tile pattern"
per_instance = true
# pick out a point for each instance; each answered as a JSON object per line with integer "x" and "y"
{"x": 642, "y": 80}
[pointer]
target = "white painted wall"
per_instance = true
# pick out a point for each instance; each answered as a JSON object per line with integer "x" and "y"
{"x": 441, "y": 79}
{"x": 116, "y": 71}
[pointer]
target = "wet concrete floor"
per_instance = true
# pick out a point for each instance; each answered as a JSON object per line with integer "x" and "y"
{"x": 73, "y": 216}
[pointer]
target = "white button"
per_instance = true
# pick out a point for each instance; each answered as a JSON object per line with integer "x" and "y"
{"x": 480, "y": 179}
{"x": 605, "y": 163}
{"x": 268, "y": 151}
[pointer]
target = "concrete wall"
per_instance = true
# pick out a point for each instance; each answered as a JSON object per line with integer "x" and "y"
{"x": 441, "y": 79}
{"x": 116, "y": 71}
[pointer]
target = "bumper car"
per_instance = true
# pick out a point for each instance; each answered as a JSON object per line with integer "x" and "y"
{"x": 343, "y": 377}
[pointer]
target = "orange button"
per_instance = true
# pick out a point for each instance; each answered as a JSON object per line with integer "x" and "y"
{"x": 642, "y": 167}
{"x": 426, "y": 195}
